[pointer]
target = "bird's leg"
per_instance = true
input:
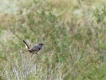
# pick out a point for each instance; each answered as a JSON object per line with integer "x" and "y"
{"x": 37, "y": 55}
{"x": 32, "y": 54}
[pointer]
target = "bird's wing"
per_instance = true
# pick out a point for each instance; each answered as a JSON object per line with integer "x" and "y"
{"x": 33, "y": 49}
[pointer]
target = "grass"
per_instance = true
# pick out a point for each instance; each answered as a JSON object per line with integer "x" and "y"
{"x": 73, "y": 33}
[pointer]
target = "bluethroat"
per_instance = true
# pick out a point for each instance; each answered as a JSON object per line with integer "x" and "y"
{"x": 34, "y": 49}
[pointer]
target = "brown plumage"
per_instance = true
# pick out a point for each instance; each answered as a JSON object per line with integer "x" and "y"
{"x": 35, "y": 48}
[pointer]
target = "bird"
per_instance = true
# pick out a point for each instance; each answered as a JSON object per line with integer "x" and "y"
{"x": 33, "y": 49}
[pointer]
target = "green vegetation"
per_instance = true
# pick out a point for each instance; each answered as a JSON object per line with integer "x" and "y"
{"x": 74, "y": 33}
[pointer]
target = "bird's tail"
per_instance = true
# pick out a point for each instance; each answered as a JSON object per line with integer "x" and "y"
{"x": 26, "y": 44}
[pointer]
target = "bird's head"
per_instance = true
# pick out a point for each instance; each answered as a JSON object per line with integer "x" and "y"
{"x": 41, "y": 44}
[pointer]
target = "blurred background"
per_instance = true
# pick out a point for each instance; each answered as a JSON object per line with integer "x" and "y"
{"x": 74, "y": 33}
